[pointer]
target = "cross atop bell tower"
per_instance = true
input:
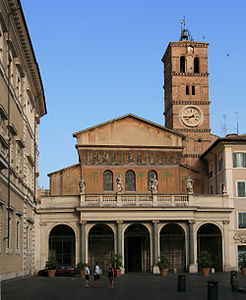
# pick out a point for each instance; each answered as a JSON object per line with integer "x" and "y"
{"x": 186, "y": 91}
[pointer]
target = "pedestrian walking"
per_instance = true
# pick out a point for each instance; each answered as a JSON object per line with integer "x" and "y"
{"x": 97, "y": 275}
{"x": 87, "y": 275}
{"x": 111, "y": 276}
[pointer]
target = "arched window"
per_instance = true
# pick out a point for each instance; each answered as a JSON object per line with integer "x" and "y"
{"x": 187, "y": 90}
{"x": 151, "y": 175}
{"x": 108, "y": 181}
{"x": 182, "y": 64}
{"x": 196, "y": 65}
{"x": 193, "y": 90}
{"x": 130, "y": 181}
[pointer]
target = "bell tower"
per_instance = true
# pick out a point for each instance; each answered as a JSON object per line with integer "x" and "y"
{"x": 187, "y": 95}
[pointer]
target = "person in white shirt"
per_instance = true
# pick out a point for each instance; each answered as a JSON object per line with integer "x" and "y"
{"x": 87, "y": 275}
{"x": 97, "y": 275}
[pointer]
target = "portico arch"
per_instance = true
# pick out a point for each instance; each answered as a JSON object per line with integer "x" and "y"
{"x": 137, "y": 248}
{"x": 101, "y": 245}
{"x": 62, "y": 244}
{"x": 209, "y": 239}
{"x": 172, "y": 244}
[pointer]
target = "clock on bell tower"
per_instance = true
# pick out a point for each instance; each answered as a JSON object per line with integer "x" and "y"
{"x": 187, "y": 95}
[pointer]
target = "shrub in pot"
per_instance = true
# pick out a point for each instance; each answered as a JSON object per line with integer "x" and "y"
{"x": 51, "y": 266}
{"x": 115, "y": 261}
{"x": 242, "y": 263}
{"x": 80, "y": 268}
{"x": 204, "y": 262}
{"x": 163, "y": 264}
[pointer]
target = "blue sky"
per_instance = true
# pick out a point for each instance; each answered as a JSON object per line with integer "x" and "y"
{"x": 101, "y": 59}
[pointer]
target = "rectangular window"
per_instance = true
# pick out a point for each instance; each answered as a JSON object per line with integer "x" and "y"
{"x": 17, "y": 242}
{"x": 9, "y": 239}
{"x": 221, "y": 164}
{"x": 241, "y": 220}
{"x": 239, "y": 160}
{"x": 241, "y": 189}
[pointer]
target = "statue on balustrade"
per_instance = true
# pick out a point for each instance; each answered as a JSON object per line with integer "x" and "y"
{"x": 189, "y": 185}
{"x": 82, "y": 185}
{"x": 153, "y": 184}
{"x": 120, "y": 184}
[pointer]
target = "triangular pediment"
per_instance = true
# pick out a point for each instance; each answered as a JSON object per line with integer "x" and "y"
{"x": 130, "y": 131}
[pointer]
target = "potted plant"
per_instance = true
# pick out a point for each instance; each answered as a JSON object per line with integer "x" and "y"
{"x": 204, "y": 262}
{"x": 80, "y": 268}
{"x": 51, "y": 266}
{"x": 115, "y": 261}
{"x": 163, "y": 264}
{"x": 242, "y": 263}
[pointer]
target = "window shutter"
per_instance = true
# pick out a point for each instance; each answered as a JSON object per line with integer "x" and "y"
{"x": 244, "y": 160}
{"x": 241, "y": 189}
{"x": 234, "y": 160}
{"x": 242, "y": 220}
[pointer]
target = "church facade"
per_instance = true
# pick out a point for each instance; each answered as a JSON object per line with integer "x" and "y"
{"x": 140, "y": 189}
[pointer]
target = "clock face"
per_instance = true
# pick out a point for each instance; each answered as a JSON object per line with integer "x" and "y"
{"x": 191, "y": 116}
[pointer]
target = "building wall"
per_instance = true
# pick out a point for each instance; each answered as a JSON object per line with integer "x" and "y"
{"x": 21, "y": 106}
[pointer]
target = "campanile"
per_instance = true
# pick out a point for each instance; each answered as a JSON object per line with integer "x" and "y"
{"x": 186, "y": 93}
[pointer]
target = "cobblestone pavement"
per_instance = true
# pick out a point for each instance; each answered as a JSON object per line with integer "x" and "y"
{"x": 130, "y": 286}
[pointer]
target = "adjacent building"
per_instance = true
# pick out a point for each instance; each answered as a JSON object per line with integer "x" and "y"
{"x": 22, "y": 104}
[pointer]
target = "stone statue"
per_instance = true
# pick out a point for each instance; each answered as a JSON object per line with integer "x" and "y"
{"x": 120, "y": 184}
{"x": 189, "y": 185}
{"x": 153, "y": 184}
{"x": 82, "y": 185}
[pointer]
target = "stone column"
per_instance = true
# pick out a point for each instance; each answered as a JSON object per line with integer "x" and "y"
{"x": 119, "y": 237}
{"x": 82, "y": 241}
{"x": 226, "y": 264}
{"x": 155, "y": 246}
{"x": 192, "y": 264}
{"x": 119, "y": 241}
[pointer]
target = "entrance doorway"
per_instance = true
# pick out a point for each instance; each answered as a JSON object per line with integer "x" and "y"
{"x": 62, "y": 244}
{"x": 101, "y": 245}
{"x": 172, "y": 245}
{"x": 137, "y": 249}
{"x": 209, "y": 239}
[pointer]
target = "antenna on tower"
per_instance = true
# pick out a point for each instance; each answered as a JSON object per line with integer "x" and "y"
{"x": 236, "y": 113}
{"x": 185, "y": 34}
{"x": 224, "y": 126}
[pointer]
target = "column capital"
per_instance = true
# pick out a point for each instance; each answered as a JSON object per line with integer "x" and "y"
{"x": 155, "y": 221}
{"x": 192, "y": 221}
{"x": 83, "y": 222}
{"x": 119, "y": 222}
{"x": 226, "y": 222}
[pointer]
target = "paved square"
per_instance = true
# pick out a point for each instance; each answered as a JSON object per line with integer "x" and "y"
{"x": 130, "y": 286}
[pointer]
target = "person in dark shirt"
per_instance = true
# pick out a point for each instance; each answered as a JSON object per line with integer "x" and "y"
{"x": 111, "y": 276}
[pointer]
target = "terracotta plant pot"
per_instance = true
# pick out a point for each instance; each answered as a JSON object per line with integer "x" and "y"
{"x": 118, "y": 272}
{"x": 82, "y": 273}
{"x": 243, "y": 271}
{"x": 51, "y": 273}
{"x": 163, "y": 272}
{"x": 205, "y": 271}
